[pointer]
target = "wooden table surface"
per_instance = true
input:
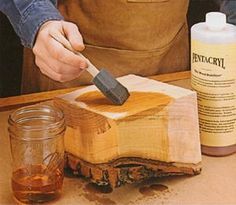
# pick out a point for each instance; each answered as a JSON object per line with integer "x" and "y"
{"x": 215, "y": 185}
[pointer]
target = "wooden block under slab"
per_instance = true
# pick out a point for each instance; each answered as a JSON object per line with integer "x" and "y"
{"x": 155, "y": 133}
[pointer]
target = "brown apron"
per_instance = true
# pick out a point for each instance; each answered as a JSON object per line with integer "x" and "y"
{"x": 143, "y": 37}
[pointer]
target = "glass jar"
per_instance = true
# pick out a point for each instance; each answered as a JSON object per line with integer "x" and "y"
{"x": 37, "y": 147}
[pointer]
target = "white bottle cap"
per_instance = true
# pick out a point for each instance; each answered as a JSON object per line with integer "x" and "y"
{"x": 215, "y": 21}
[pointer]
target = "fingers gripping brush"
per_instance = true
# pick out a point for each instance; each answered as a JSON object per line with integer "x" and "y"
{"x": 102, "y": 79}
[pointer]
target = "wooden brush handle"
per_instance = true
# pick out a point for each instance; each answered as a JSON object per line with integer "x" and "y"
{"x": 62, "y": 40}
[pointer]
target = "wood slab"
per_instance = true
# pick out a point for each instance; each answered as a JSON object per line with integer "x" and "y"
{"x": 155, "y": 132}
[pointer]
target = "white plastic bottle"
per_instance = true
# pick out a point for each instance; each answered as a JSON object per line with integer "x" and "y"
{"x": 213, "y": 76}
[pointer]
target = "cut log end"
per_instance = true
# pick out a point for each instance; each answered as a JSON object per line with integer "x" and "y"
{"x": 115, "y": 145}
{"x": 128, "y": 170}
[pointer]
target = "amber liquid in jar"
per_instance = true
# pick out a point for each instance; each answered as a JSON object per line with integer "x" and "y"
{"x": 37, "y": 186}
{"x": 37, "y": 147}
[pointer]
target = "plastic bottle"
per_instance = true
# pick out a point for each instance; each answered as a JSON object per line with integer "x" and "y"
{"x": 213, "y": 76}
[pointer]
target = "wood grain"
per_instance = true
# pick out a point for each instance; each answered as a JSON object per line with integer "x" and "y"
{"x": 150, "y": 100}
{"x": 23, "y": 100}
{"x": 159, "y": 123}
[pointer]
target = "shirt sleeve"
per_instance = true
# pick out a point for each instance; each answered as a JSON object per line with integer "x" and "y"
{"x": 26, "y": 16}
{"x": 229, "y": 8}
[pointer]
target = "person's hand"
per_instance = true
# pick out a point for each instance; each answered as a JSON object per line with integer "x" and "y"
{"x": 52, "y": 58}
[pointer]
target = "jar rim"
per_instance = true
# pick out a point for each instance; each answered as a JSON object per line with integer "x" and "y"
{"x": 12, "y": 120}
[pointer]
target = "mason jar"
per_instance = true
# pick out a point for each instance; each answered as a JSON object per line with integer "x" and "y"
{"x": 37, "y": 147}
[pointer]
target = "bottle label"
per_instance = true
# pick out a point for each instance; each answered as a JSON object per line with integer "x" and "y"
{"x": 213, "y": 76}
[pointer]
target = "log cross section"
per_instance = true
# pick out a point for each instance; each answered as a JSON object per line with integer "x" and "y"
{"x": 154, "y": 133}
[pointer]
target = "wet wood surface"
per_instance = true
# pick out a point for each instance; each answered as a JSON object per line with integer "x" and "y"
{"x": 22, "y": 100}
